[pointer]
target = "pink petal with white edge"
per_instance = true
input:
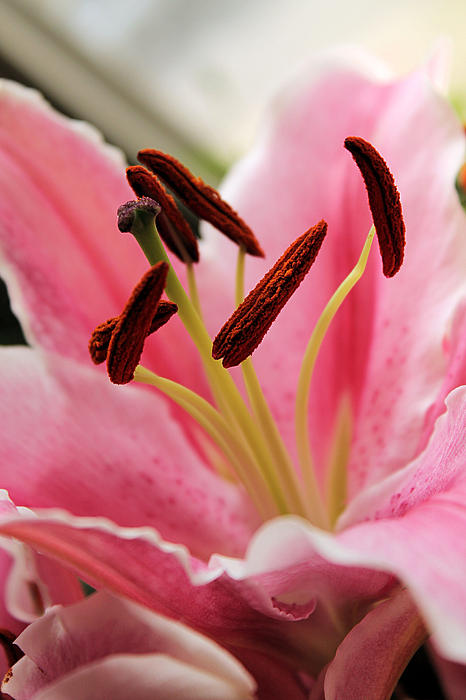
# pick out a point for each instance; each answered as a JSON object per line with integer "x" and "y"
{"x": 372, "y": 657}
{"x": 239, "y": 614}
{"x": 67, "y": 266}
{"x": 98, "y": 645}
{"x": 228, "y": 600}
{"x": 31, "y": 582}
{"x": 60, "y": 188}
{"x": 388, "y": 355}
{"x": 145, "y": 677}
{"x": 425, "y": 549}
{"x": 121, "y": 456}
{"x": 35, "y": 582}
{"x": 437, "y": 470}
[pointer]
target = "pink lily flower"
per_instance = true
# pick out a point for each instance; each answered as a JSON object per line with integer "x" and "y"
{"x": 123, "y": 488}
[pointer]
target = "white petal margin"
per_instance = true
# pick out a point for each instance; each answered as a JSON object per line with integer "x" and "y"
{"x": 30, "y": 96}
{"x": 105, "y": 646}
{"x": 146, "y": 677}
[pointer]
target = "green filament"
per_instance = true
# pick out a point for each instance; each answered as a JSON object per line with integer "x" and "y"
{"x": 307, "y": 367}
{"x": 279, "y": 456}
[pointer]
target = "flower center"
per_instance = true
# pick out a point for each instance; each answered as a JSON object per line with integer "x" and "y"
{"x": 248, "y": 444}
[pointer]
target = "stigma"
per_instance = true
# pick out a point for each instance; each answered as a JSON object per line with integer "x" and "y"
{"x": 244, "y": 437}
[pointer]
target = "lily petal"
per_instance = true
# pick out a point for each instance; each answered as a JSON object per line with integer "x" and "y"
{"x": 437, "y": 470}
{"x": 365, "y": 665}
{"x": 121, "y": 456}
{"x": 67, "y": 266}
{"x": 105, "y": 645}
{"x": 147, "y": 677}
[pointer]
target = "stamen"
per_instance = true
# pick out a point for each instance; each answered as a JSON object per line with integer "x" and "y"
{"x": 127, "y": 211}
{"x": 133, "y": 325}
{"x": 202, "y": 199}
{"x": 172, "y": 227}
{"x": 246, "y": 328}
{"x": 302, "y": 394}
{"x": 384, "y": 201}
{"x": 100, "y": 338}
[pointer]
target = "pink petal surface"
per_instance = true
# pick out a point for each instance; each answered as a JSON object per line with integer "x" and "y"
{"x": 370, "y": 660}
{"x": 146, "y": 677}
{"x": 439, "y": 469}
{"x": 390, "y": 356}
{"x": 117, "y": 453}
{"x": 67, "y": 266}
{"x": 127, "y": 642}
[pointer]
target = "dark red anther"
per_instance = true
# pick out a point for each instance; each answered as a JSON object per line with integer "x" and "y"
{"x": 384, "y": 201}
{"x": 202, "y": 199}
{"x": 100, "y": 338}
{"x": 173, "y": 228}
{"x": 246, "y": 328}
{"x": 133, "y": 325}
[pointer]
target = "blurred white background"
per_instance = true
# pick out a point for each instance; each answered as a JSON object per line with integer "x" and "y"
{"x": 192, "y": 76}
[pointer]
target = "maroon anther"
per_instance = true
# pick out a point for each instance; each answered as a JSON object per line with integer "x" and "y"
{"x": 172, "y": 227}
{"x": 203, "y": 200}
{"x": 246, "y": 328}
{"x": 384, "y": 201}
{"x": 133, "y": 325}
{"x": 100, "y": 338}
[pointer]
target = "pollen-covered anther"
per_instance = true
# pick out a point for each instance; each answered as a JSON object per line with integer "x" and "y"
{"x": 384, "y": 201}
{"x": 246, "y": 328}
{"x": 133, "y": 325}
{"x": 172, "y": 227}
{"x": 100, "y": 338}
{"x": 127, "y": 211}
{"x": 203, "y": 200}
